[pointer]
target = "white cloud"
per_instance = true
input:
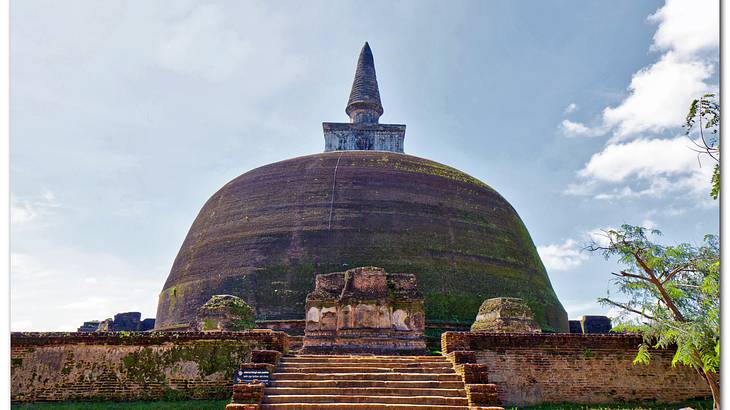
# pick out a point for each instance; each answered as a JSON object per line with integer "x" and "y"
{"x": 649, "y": 224}
{"x": 23, "y": 211}
{"x": 571, "y": 108}
{"x": 644, "y": 168}
{"x": 577, "y": 129}
{"x": 688, "y": 27}
{"x": 564, "y": 256}
{"x": 599, "y": 236}
{"x": 641, "y": 158}
{"x": 659, "y": 94}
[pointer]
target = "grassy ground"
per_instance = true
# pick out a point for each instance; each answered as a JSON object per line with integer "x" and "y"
{"x": 221, "y": 404}
{"x": 695, "y": 404}
{"x": 137, "y": 405}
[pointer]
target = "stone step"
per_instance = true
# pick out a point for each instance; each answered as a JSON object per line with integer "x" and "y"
{"x": 429, "y": 384}
{"x": 359, "y": 406}
{"x": 367, "y": 376}
{"x": 341, "y": 398}
{"x": 364, "y": 363}
{"x": 296, "y": 343}
{"x": 350, "y": 363}
{"x": 363, "y": 369}
{"x": 364, "y": 359}
{"x": 357, "y": 356}
{"x": 365, "y": 391}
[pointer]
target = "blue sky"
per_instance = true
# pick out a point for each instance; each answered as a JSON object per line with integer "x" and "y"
{"x": 126, "y": 117}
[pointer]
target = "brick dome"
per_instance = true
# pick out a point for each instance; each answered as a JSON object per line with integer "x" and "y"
{"x": 266, "y": 234}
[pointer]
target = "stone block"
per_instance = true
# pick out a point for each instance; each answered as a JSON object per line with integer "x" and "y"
{"x": 147, "y": 324}
{"x": 511, "y": 315}
{"x": 575, "y": 326}
{"x": 90, "y": 326}
{"x": 127, "y": 322}
{"x": 106, "y": 325}
{"x": 595, "y": 324}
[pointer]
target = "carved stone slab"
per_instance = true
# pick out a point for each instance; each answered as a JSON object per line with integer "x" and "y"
{"x": 365, "y": 310}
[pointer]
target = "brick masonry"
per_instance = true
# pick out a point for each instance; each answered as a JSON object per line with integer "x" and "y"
{"x": 131, "y": 366}
{"x": 531, "y": 369}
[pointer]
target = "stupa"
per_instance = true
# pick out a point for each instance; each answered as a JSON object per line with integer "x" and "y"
{"x": 265, "y": 235}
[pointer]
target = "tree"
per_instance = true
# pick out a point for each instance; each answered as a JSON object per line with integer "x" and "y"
{"x": 704, "y": 113}
{"x": 674, "y": 295}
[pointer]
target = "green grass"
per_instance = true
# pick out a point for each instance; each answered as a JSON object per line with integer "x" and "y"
{"x": 695, "y": 404}
{"x": 136, "y": 405}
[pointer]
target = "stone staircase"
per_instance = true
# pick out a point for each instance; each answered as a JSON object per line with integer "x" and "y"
{"x": 364, "y": 382}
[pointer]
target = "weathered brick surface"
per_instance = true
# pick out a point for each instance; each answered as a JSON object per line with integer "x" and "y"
{"x": 553, "y": 368}
{"x": 474, "y": 373}
{"x": 242, "y": 406}
{"x": 266, "y": 338}
{"x": 130, "y": 366}
{"x": 244, "y": 393}
{"x": 482, "y": 394}
{"x": 462, "y": 356}
{"x": 266, "y": 356}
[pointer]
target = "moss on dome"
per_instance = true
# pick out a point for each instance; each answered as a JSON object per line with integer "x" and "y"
{"x": 265, "y": 235}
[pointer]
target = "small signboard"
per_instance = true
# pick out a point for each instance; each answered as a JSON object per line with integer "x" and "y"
{"x": 248, "y": 375}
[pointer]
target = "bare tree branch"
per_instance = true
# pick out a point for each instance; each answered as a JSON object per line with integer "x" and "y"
{"x": 626, "y": 307}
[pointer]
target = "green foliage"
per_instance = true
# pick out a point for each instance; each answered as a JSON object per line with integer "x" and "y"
{"x": 673, "y": 293}
{"x": 704, "y": 114}
{"x": 642, "y": 357}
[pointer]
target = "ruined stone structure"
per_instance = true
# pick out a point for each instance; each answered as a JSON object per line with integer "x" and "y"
{"x": 122, "y": 322}
{"x": 224, "y": 313}
{"x": 595, "y": 324}
{"x": 591, "y": 324}
{"x": 365, "y": 310}
{"x": 90, "y": 326}
{"x": 264, "y": 235}
{"x": 509, "y": 315}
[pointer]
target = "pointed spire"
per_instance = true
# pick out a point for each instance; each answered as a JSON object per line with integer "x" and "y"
{"x": 364, "y": 104}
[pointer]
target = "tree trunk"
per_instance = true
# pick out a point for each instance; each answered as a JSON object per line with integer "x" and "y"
{"x": 714, "y": 383}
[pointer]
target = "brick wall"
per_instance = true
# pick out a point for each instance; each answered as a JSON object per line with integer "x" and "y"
{"x": 555, "y": 368}
{"x": 131, "y": 366}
